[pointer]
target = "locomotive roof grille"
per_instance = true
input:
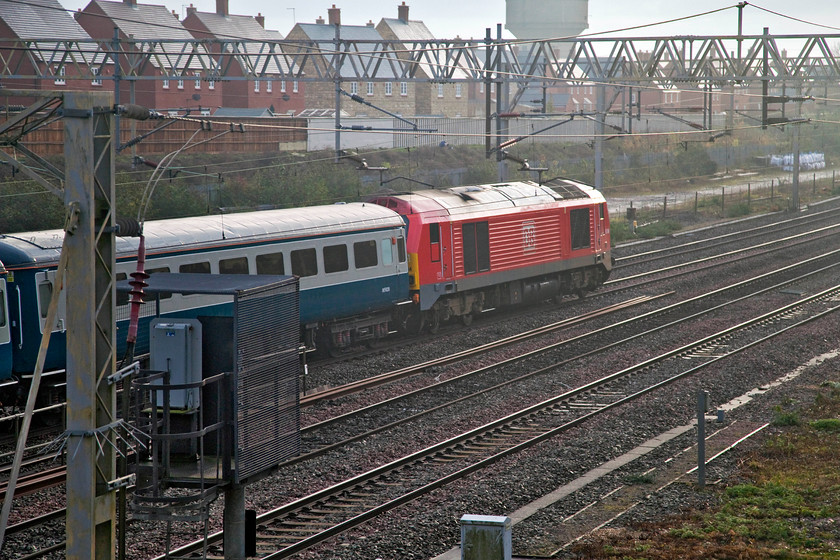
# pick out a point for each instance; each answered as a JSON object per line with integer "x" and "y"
{"x": 566, "y": 188}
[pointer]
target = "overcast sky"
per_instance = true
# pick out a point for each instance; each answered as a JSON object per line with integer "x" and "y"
{"x": 470, "y": 18}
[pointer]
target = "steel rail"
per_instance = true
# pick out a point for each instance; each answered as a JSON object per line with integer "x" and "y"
{"x": 488, "y": 431}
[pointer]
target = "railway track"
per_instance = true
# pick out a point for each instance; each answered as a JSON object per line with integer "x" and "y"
{"x": 829, "y": 256}
{"x": 747, "y": 235}
{"x": 313, "y": 519}
{"x": 387, "y": 414}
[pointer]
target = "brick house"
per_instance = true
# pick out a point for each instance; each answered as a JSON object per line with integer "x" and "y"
{"x": 170, "y": 82}
{"x": 438, "y": 99}
{"x": 275, "y": 91}
{"x": 384, "y": 92}
{"x": 67, "y": 61}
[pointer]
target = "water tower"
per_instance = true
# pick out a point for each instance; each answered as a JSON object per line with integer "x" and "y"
{"x": 546, "y": 19}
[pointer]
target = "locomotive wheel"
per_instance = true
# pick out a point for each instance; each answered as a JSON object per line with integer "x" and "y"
{"x": 434, "y": 322}
{"x": 413, "y": 322}
{"x": 467, "y": 319}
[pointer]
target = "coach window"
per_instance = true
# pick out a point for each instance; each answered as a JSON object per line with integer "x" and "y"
{"x": 161, "y": 270}
{"x": 271, "y": 263}
{"x": 238, "y": 265}
{"x": 579, "y": 221}
{"x": 476, "y": 237}
{"x": 304, "y": 262}
{"x": 335, "y": 258}
{"x": 122, "y": 297}
{"x": 195, "y": 268}
{"x": 387, "y": 252}
{"x": 364, "y": 253}
{"x": 434, "y": 241}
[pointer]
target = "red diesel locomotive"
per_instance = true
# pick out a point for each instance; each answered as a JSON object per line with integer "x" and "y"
{"x": 475, "y": 248}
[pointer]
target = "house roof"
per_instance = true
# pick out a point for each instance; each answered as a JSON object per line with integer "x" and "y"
{"x": 366, "y": 39}
{"x": 144, "y": 21}
{"x": 234, "y": 27}
{"x": 408, "y": 31}
{"x": 150, "y": 22}
{"x": 40, "y": 19}
{"x": 43, "y": 19}
{"x": 242, "y": 112}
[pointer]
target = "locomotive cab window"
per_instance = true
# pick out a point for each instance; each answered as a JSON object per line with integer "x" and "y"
{"x": 365, "y": 253}
{"x": 579, "y": 221}
{"x": 335, "y": 258}
{"x": 476, "y": 238}
{"x": 401, "y": 249}
{"x": 603, "y": 210}
{"x": 271, "y": 263}
{"x": 434, "y": 242}
{"x": 238, "y": 265}
{"x": 304, "y": 262}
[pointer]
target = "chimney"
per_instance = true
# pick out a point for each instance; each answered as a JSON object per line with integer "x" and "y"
{"x": 222, "y": 7}
{"x": 191, "y": 10}
{"x": 260, "y": 19}
{"x": 334, "y": 15}
{"x": 370, "y": 23}
{"x": 175, "y": 14}
{"x": 132, "y": 3}
{"x": 402, "y": 11}
{"x": 320, "y": 20}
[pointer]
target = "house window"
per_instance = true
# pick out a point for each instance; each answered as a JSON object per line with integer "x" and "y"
{"x": 96, "y": 81}
{"x": 458, "y": 91}
{"x": 370, "y": 88}
{"x": 211, "y": 84}
{"x": 295, "y": 86}
{"x": 180, "y": 83}
{"x": 354, "y": 88}
{"x": 205, "y": 112}
{"x": 403, "y": 88}
{"x": 389, "y": 88}
{"x": 257, "y": 86}
{"x": 481, "y": 87}
{"x": 60, "y": 72}
{"x": 282, "y": 86}
{"x": 268, "y": 86}
{"x": 197, "y": 80}
{"x": 440, "y": 90}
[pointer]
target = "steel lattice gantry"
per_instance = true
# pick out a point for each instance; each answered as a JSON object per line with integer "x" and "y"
{"x": 668, "y": 62}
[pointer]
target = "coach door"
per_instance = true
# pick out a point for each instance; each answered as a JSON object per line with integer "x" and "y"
{"x": 5, "y": 333}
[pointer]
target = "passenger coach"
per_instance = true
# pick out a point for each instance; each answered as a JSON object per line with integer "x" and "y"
{"x": 351, "y": 260}
{"x": 480, "y": 247}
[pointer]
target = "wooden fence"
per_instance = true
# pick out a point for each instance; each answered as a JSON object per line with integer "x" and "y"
{"x": 256, "y": 135}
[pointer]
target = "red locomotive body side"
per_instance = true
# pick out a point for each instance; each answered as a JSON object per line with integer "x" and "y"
{"x": 473, "y": 248}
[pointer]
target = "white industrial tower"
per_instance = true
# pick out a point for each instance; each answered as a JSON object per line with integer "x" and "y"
{"x": 546, "y": 19}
